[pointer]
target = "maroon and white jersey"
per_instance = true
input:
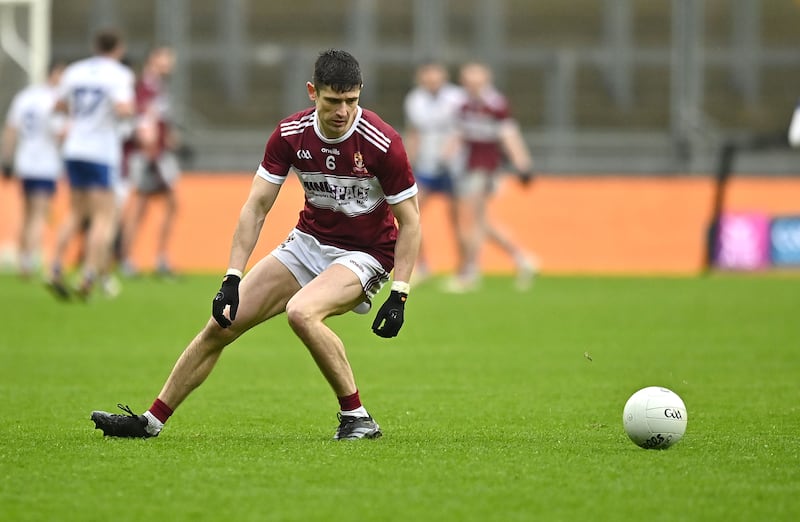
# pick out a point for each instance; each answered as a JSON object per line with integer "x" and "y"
{"x": 479, "y": 122}
{"x": 349, "y": 182}
{"x": 152, "y": 102}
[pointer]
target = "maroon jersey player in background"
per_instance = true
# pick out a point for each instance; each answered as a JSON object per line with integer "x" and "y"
{"x": 151, "y": 162}
{"x": 357, "y": 182}
{"x": 486, "y": 134}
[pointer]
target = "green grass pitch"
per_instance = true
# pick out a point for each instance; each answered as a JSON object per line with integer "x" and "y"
{"x": 490, "y": 408}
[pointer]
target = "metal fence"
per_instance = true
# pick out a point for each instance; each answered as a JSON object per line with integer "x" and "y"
{"x": 598, "y": 85}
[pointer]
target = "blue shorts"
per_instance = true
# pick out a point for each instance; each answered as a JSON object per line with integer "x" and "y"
{"x": 38, "y": 186}
{"x": 440, "y": 182}
{"x": 85, "y": 174}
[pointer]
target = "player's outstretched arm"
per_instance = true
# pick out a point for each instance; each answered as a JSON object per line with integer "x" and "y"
{"x": 411, "y": 140}
{"x": 251, "y": 219}
{"x": 517, "y": 150}
{"x": 7, "y": 153}
{"x": 409, "y": 236}
{"x": 390, "y": 316}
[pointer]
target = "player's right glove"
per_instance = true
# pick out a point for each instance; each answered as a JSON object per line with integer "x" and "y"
{"x": 228, "y": 295}
{"x": 389, "y": 318}
{"x": 8, "y": 170}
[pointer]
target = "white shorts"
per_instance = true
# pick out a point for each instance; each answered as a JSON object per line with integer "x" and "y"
{"x": 306, "y": 258}
{"x": 147, "y": 181}
{"x": 474, "y": 182}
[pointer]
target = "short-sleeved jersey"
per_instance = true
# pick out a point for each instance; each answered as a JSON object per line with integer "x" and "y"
{"x": 91, "y": 87}
{"x": 152, "y": 102}
{"x": 349, "y": 182}
{"x": 31, "y": 114}
{"x": 480, "y": 121}
{"x": 433, "y": 116}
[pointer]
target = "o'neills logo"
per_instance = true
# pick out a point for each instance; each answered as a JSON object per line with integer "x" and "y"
{"x": 358, "y": 162}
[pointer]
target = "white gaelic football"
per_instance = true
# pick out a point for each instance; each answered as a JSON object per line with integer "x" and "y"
{"x": 655, "y": 418}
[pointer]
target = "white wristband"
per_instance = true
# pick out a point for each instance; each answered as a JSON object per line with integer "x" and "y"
{"x": 400, "y": 286}
{"x": 233, "y": 271}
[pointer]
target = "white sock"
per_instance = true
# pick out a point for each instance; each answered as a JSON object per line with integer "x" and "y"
{"x": 358, "y": 412}
{"x": 154, "y": 426}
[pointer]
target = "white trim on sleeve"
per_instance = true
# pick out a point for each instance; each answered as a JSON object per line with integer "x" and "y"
{"x": 407, "y": 193}
{"x": 272, "y": 178}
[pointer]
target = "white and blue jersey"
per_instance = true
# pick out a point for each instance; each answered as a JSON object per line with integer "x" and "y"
{"x": 91, "y": 88}
{"x": 433, "y": 115}
{"x": 31, "y": 114}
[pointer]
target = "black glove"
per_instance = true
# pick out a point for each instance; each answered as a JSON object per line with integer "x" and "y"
{"x": 525, "y": 177}
{"x": 8, "y": 170}
{"x": 391, "y": 315}
{"x": 228, "y": 295}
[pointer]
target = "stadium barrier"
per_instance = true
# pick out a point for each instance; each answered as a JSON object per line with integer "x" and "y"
{"x": 575, "y": 224}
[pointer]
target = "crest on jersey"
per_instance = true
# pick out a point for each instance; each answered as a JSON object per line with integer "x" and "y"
{"x": 358, "y": 162}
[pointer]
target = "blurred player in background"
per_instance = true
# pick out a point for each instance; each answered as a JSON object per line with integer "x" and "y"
{"x": 486, "y": 133}
{"x": 97, "y": 93}
{"x": 152, "y": 163}
{"x": 430, "y": 112}
{"x": 357, "y": 182}
{"x": 31, "y": 142}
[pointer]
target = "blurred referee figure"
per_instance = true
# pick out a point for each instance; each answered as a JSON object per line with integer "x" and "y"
{"x": 31, "y": 142}
{"x": 97, "y": 95}
{"x": 430, "y": 111}
{"x": 357, "y": 182}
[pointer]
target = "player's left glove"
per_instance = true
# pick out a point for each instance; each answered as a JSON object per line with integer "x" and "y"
{"x": 228, "y": 295}
{"x": 389, "y": 318}
{"x": 8, "y": 170}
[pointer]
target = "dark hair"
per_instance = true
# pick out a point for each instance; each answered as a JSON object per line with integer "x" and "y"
{"x": 338, "y": 70}
{"x": 107, "y": 41}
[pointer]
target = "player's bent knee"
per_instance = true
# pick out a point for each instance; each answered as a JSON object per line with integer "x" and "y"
{"x": 299, "y": 316}
{"x": 295, "y": 315}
